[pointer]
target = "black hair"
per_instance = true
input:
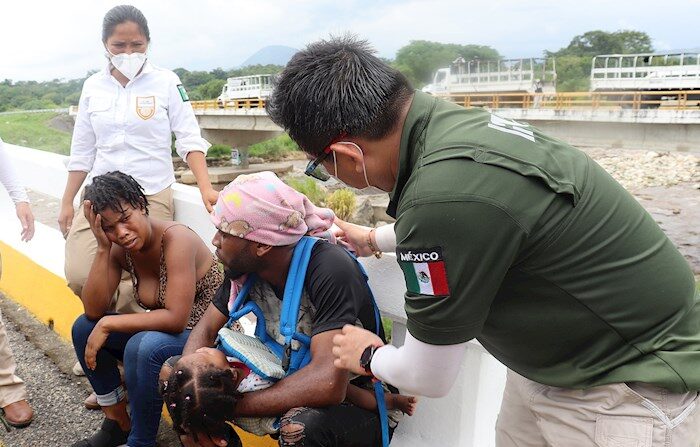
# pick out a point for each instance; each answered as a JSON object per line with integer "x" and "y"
{"x": 337, "y": 86}
{"x": 200, "y": 400}
{"x": 112, "y": 189}
{"x": 120, "y": 14}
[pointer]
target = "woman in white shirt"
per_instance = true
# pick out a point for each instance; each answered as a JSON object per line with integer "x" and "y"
{"x": 126, "y": 116}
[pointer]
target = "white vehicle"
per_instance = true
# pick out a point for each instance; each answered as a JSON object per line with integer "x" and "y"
{"x": 529, "y": 75}
{"x": 646, "y": 71}
{"x": 245, "y": 87}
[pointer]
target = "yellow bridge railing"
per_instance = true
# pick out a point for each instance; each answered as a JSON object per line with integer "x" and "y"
{"x": 665, "y": 100}
{"x": 673, "y": 100}
{"x": 251, "y": 103}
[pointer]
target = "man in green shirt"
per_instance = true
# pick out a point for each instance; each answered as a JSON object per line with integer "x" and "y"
{"x": 512, "y": 237}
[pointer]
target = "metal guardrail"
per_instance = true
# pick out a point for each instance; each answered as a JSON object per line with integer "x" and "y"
{"x": 634, "y": 100}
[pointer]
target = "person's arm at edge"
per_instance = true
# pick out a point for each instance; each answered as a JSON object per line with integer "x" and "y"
{"x": 8, "y": 177}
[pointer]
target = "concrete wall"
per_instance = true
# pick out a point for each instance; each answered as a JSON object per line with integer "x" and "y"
{"x": 236, "y": 127}
{"x": 629, "y": 129}
{"x": 465, "y": 418}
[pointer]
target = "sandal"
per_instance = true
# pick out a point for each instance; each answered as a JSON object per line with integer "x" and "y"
{"x": 109, "y": 435}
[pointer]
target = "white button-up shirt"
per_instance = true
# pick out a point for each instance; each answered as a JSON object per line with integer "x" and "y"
{"x": 129, "y": 128}
{"x": 9, "y": 179}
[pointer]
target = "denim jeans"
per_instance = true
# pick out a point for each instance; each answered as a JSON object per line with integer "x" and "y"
{"x": 143, "y": 354}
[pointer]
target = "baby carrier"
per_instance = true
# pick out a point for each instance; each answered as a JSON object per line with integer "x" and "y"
{"x": 270, "y": 359}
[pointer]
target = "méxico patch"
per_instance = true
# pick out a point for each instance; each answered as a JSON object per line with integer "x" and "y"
{"x": 424, "y": 271}
{"x": 183, "y": 93}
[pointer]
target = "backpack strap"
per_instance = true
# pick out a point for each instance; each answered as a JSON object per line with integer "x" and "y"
{"x": 293, "y": 291}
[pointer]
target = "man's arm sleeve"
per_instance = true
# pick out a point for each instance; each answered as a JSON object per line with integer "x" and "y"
{"x": 454, "y": 256}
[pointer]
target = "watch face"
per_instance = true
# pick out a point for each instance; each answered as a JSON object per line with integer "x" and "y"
{"x": 366, "y": 358}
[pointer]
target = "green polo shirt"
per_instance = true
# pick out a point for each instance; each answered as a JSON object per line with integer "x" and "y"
{"x": 521, "y": 241}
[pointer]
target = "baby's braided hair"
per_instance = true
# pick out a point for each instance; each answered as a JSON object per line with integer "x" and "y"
{"x": 201, "y": 400}
{"x": 112, "y": 189}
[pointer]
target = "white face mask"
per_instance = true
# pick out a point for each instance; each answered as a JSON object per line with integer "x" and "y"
{"x": 364, "y": 169}
{"x": 128, "y": 64}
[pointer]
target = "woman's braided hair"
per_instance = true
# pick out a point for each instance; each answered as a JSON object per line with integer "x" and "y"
{"x": 201, "y": 400}
{"x": 112, "y": 189}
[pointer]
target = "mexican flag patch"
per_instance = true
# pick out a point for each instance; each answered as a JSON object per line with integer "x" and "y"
{"x": 424, "y": 271}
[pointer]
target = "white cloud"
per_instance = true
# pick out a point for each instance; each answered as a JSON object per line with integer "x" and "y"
{"x": 45, "y": 39}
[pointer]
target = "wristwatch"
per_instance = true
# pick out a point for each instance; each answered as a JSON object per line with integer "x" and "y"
{"x": 366, "y": 358}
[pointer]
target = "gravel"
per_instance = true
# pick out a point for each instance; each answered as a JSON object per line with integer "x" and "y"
{"x": 640, "y": 169}
{"x": 57, "y": 399}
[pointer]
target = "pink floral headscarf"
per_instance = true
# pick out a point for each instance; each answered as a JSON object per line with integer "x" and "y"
{"x": 262, "y": 208}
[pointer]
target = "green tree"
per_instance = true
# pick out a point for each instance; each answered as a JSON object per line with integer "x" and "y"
{"x": 194, "y": 79}
{"x": 573, "y": 73}
{"x": 593, "y": 43}
{"x": 421, "y": 58}
{"x": 211, "y": 89}
{"x": 574, "y": 61}
{"x": 254, "y": 69}
{"x": 219, "y": 73}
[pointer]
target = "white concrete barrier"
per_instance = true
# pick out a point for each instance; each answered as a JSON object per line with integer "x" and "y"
{"x": 465, "y": 418}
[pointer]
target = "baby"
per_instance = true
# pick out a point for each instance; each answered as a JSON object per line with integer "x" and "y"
{"x": 201, "y": 390}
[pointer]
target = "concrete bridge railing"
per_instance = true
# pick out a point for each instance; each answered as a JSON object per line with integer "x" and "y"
{"x": 33, "y": 276}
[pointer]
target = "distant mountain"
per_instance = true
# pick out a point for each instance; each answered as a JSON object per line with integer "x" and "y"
{"x": 272, "y": 54}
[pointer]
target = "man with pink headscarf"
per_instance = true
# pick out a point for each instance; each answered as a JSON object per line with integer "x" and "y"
{"x": 260, "y": 220}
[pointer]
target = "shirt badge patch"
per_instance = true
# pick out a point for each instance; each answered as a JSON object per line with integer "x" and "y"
{"x": 183, "y": 93}
{"x": 145, "y": 106}
{"x": 424, "y": 271}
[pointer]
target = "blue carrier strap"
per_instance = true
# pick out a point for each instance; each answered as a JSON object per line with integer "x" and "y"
{"x": 383, "y": 414}
{"x": 289, "y": 314}
{"x": 291, "y": 301}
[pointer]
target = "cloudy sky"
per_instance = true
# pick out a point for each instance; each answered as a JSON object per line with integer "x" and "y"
{"x": 47, "y": 39}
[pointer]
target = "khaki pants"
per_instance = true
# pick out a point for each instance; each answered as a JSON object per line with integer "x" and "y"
{"x": 81, "y": 247}
{"x": 616, "y": 415}
{"x": 12, "y": 388}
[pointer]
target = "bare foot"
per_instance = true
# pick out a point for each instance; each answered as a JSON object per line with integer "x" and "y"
{"x": 407, "y": 404}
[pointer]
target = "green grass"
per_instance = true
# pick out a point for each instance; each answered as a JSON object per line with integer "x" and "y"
{"x": 274, "y": 149}
{"x": 33, "y": 130}
{"x": 388, "y": 326}
{"x": 309, "y": 188}
{"x": 219, "y": 151}
{"x": 342, "y": 202}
